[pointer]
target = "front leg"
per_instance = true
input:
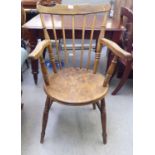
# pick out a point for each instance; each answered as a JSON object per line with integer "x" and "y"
{"x": 48, "y": 104}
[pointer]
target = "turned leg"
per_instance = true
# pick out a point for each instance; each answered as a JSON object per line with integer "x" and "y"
{"x": 103, "y": 121}
{"x": 115, "y": 36}
{"x": 94, "y": 106}
{"x": 48, "y": 104}
{"x": 124, "y": 78}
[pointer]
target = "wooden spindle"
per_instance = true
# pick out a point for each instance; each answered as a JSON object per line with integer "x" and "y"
{"x": 73, "y": 39}
{"x": 91, "y": 39}
{"x": 99, "y": 46}
{"x": 46, "y": 35}
{"x": 56, "y": 41}
{"x": 52, "y": 60}
{"x": 110, "y": 71}
{"x": 44, "y": 70}
{"x": 103, "y": 28}
{"x": 83, "y": 34}
{"x": 97, "y": 58}
{"x": 64, "y": 40}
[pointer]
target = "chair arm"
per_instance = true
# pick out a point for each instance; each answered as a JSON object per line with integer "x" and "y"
{"x": 37, "y": 52}
{"x": 117, "y": 50}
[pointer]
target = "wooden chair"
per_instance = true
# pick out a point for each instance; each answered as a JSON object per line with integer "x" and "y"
{"x": 76, "y": 86}
{"x": 126, "y": 43}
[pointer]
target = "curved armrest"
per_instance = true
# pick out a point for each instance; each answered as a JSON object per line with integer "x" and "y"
{"x": 117, "y": 50}
{"x": 36, "y": 53}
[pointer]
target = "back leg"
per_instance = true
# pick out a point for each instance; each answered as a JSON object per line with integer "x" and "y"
{"x": 103, "y": 121}
{"x": 124, "y": 78}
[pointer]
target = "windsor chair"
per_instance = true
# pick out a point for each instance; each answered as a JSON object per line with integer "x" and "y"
{"x": 126, "y": 43}
{"x": 81, "y": 85}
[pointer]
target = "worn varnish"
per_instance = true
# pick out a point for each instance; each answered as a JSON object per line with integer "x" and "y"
{"x": 76, "y": 86}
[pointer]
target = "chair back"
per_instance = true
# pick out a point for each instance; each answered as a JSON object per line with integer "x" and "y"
{"x": 73, "y": 21}
{"x": 127, "y": 21}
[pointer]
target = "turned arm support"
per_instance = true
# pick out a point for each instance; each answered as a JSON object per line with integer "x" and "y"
{"x": 37, "y": 52}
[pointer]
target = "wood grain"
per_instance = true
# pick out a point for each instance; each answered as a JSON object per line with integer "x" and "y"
{"x": 75, "y": 86}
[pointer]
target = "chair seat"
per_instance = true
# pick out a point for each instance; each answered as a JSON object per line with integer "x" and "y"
{"x": 76, "y": 86}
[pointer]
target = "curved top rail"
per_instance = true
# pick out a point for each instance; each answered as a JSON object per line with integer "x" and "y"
{"x": 60, "y": 9}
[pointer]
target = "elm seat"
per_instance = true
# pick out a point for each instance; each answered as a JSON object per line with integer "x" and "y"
{"x": 76, "y": 86}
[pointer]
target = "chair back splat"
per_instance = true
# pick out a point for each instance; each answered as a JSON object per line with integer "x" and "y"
{"x": 69, "y": 20}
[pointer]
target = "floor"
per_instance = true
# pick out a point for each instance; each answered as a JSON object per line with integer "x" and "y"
{"x": 76, "y": 130}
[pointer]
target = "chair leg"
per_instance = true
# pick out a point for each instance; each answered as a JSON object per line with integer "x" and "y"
{"x": 94, "y": 106}
{"x": 48, "y": 104}
{"x": 124, "y": 78}
{"x": 103, "y": 121}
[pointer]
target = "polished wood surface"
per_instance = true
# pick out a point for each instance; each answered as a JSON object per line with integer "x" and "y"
{"x": 31, "y": 4}
{"x": 35, "y": 23}
{"x": 23, "y": 16}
